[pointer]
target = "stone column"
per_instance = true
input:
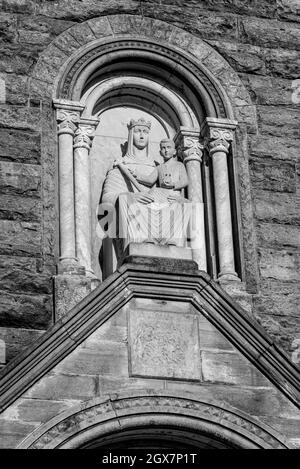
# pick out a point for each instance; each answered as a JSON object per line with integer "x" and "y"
{"x": 67, "y": 117}
{"x": 191, "y": 151}
{"x": 82, "y": 175}
{"x": 218, "y": 134}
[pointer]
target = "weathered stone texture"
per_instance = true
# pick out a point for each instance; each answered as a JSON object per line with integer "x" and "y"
{"x": 259, "y": 39}
{"x": 19, "y": 145}
{"x": 25, "y": 310}
{"x": 272, "y": 175}
{"x": 17, "y": 339}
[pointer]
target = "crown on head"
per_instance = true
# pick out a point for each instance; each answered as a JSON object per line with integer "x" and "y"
{"x": 140, "y": 121}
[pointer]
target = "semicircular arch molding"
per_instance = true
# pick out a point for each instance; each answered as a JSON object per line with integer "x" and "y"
{"x": 63, "y": 68}
{"x": 100, "y": 418}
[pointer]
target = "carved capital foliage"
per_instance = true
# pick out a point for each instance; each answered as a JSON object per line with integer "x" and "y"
{"x": 84, "y": 136}
{"x": 219, "y": 140}
{"x": 190, "y": 148}
{"x": 67, "y": 121}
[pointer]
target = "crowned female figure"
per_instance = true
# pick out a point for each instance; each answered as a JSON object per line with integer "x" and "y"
{"x": 145, "y": 212}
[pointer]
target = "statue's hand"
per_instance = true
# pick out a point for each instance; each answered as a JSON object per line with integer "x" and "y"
{"x": 143, "y": 198}
{"x": 174, "y": 198}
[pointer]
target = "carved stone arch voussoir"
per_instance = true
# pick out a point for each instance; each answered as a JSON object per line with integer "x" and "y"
{"x": 77, "y": 46}
{"x": 100, "y": 417}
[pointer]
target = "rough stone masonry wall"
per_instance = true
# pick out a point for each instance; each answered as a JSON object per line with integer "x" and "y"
{"x": 260, "y": 39}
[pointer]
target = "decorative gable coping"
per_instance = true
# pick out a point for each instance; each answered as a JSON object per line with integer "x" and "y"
{"x": 150, "y": 279}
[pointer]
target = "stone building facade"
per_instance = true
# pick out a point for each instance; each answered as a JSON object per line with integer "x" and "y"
{"x": 78, "y": 349}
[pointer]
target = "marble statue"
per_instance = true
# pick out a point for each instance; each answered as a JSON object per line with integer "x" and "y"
{"x": 148, "y": 197}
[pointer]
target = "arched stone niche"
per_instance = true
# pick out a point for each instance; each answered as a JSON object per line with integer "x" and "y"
{"x": 114, "y": 419}
{"x": 189, "y": 89}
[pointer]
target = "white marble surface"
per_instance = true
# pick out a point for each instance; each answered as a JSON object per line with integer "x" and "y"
{"x": 66, "y": 197}
{"x": 223, "y": 214}
{"x": 83, "y": 207}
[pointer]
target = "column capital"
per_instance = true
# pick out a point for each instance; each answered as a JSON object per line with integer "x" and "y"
{"x": 85, "y": 133}
{"x": 188, "y": 144}
{"x": 218, "y": 134}
{"x": 67, "y": 115}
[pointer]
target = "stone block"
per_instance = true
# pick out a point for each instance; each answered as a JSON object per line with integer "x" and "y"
{"x": 23, "y": 274}
{"x": 269, "y": 33}
{"x": 247, "y": 115}
{"x": 114, "y": 330}
{"x": 20, "y": 146}
{"x": 283, "y": 63}
{"x": 272, "y": 175}
{"x": 276, "y": 147}
{"x": 40, "y": 410}
{"x": 17, "y": 340}
{"x": 164, "y": 345}
{"x": 20, "y": 237}
{"x": 108, "y": 384}
{"x": 3, "y": 354}
{"x": 8, "y": 27}
{"x": 13, "y": 432}
{"x": 64, "y": 387}
{"x": 25, "y": 310}
{"x": 23, "y": 119}
{"x": 48, "y": 66}
{"x": 159, "y": 305}
{"x": 276, "y": 235}
{"x": 82, "y": 33}
{"x": 276, "y": 207}
{"x": 69, "y": 290}
{"x": 267, "y": 90}
{"x": 13, "y": 278}
{"x": 100, "y": 27}
{"x": 282, "y": 329}
{"x": 37, "y": 29}
{"x": 154, "y": 250}
{"x": 288, "y": 10}
{"x": 20, "y": 179}
{"x": 279, "y": 264}
{"x": 66, "y": 43}
{"x": 72, "y": 10}
{"x": 25, "y": 209}
{"x": 16, "y": 88}
{"x": 215, "y": 26}
{"x": 230, "y": 368}
{"x": 105, "y": 358}
{"x": 19, "y": 6}
{"x": 283, "y": 302}
{"x": 210, "y": 337}
{"x": 15, "y": 58}
{"x": 278, "y": 121}
{"x": 243, "y": 58}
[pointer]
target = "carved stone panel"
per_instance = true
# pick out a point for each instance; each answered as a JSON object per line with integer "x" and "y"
{"x": 164, "y": 345}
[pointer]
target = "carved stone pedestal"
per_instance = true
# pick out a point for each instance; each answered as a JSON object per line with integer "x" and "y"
{"x": 166, "y": 257}
{"x": 69, "y": 291}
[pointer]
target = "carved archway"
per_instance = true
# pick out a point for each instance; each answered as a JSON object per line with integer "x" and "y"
{"x": 115, "y": 419}
{"x": 76, "y": 57}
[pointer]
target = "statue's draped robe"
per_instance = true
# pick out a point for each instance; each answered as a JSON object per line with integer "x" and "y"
{"x": 159, "y": 222}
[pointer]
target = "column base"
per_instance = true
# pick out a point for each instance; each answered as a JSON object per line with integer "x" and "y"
{"x": 70, "y": 266}
{"x": 228, "y": 276}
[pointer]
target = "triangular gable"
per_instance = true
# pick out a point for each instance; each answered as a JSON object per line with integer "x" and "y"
{"x": 132, "y": 281}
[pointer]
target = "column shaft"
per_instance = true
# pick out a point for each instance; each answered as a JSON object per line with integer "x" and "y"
{"x": 66, "y": 197}
{"x": 197, "y": 227}
{"x": 219, "y": 135}
{"x": 82, "y": 145}
{"x": 223, "y": 214}
{"x": 191, "y": 150}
